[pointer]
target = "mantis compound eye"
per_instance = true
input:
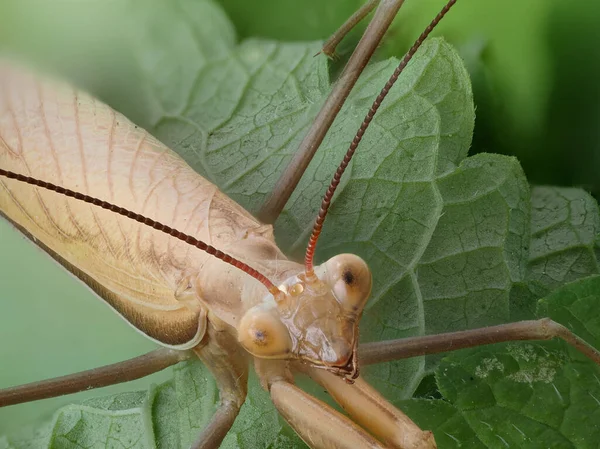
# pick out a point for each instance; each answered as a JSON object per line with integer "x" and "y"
{"x": 350, "y": 280}
{"x": 262, "y": 333}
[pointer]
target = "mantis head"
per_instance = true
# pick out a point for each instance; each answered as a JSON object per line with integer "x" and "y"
{"x": 315, "y": 319}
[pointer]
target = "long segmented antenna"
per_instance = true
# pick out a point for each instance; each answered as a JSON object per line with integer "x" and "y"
{"x": 148, "y": 222}
{"x": 318, "y": 226}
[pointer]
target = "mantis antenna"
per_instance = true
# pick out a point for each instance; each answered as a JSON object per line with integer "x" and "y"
{"x": 318, "y": 226}
{"x": 149, "y": 222}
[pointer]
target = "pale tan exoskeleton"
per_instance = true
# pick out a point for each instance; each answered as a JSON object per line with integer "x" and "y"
{"x": 286, "y": 316}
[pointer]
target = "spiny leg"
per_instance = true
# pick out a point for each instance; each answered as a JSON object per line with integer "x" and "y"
{"x": 315, "y": 422}
{"x": 228, "y": 364}
{"x": 334, "y": 40}
{"x": 103, "y": 376}
{"x": 542, "y": 329}
{"x": 289, "y": 179}
{"x": 318, "y": 425}
{"x": 373, "y": 412}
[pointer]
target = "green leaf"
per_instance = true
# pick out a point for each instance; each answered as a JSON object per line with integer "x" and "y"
{"x": 410, "y": 175}
{"x": 530, "y": 395}
{"x": 533, "y": 395}
{"x": 565, "y": 223}
{"x": 564, "y": 226}
{"x": 450, "y": 428}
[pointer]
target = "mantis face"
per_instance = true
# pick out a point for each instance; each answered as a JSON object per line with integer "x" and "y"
{"x": 316, "y": 320}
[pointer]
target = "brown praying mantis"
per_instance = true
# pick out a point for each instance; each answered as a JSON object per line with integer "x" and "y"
{"x": 289, "y": 318}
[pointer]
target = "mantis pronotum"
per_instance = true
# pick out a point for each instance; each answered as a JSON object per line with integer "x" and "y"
{"x": 395, "y": 431}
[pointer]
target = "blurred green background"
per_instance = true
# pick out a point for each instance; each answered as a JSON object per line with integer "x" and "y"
{"x": 535, "y": 66}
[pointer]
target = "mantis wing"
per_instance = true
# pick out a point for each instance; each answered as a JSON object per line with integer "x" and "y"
{"x": 54, "y": 133}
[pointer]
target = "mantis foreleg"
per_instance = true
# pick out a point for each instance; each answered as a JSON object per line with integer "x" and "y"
{"x": 371, "y": 410}
{"x": 318, "y": 425}
{"x": 228, "y": 363}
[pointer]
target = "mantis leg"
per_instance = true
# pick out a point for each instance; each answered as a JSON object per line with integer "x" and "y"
{"x": 289, "y": 179}
{"x": 103, "y": 376}
{"x": 222, "y": 355}
{"x": 315, "y": 422}
{"x": 318, "y": 425}
{"x": 334, "y": 40}
{"x": 543, "y": 329}
{"x": 368, "y": 408}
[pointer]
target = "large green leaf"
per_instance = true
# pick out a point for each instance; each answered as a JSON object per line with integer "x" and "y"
{"x": 447, "y": 237}
{"x": 411, "y": 205}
